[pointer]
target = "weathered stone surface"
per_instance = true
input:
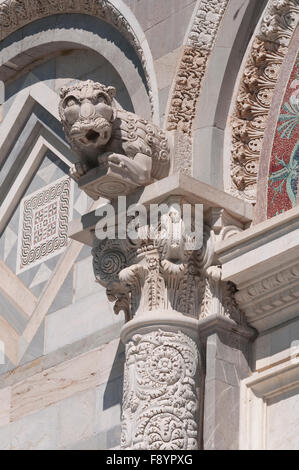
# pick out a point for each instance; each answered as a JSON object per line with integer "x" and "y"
{"x": 117, "y": 150}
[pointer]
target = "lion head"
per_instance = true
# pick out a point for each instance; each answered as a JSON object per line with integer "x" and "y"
{"x": 87, "y": 113}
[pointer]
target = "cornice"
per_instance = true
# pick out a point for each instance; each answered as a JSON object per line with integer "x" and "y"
{"x": 263, "y": 264}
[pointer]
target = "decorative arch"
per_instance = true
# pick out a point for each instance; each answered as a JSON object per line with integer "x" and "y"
{"x": 277, "y": 184}
{"x": 191, "y": 69}
{"x": 58, "y": 37}
{"x": 254, "y": 94}
{"x": 235, "y": 31}
{"x": 183, "y": 98}
{"x": 15, "y": 14}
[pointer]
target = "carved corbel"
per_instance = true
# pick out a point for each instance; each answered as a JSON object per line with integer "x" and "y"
{"x": 117, "y": 151}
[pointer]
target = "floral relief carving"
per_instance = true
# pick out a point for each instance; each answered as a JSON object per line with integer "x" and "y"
{"x": 249, "y": 119}
{"x": 192, "y": 66}
{"x": 160, "y": 401}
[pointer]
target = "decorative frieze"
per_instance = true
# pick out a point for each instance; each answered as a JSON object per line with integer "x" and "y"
{"x": 270, "y": 294}
{"x": 160, "y": 401}
{"x": 43, "y": 227}
{"x": 256, "y": 89}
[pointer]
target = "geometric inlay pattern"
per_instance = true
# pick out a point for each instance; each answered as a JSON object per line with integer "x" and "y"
{"x": 43, "y": 223}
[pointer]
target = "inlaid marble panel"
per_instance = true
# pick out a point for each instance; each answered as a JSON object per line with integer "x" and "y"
{"x": 44, "y": 223}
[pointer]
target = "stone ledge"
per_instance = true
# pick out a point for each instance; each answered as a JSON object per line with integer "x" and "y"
{"x": 178, "y": 184}
{"x": 262, "y": 262}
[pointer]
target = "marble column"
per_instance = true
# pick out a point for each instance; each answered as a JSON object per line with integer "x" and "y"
{"x": 154, "y": 281}
{"x": 166, "y": 283}
{"x": 160, "y": 400}
{"x": 226, "y": 345}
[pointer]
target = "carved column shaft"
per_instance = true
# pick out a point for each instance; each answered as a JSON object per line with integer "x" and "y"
{"x": 160, "y": 401}
{"x": 174, "y": 300}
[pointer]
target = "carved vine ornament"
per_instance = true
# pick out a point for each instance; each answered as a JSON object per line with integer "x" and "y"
{"x": 189, "y": 77}
{"x": 255, "y": 93}
{"x": 160, "y": 402}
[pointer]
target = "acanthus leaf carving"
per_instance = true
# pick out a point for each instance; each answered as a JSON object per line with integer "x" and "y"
{"x": 15, "y": 14}
{"x": 158, "y": 273}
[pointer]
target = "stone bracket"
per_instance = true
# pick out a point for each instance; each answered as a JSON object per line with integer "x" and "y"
{"x": 189, "y": 188}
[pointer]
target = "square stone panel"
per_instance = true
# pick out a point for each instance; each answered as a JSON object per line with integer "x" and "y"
{"x": 43, "y": 225}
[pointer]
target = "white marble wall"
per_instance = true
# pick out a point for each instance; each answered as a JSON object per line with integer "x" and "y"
{"x": 283, "y": 421}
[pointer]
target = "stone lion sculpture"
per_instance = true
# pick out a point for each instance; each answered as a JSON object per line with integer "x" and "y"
{"x": 104, "y": 136}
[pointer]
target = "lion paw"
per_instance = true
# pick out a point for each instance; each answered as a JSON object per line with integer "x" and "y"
{"x": 116, "y": 160}
{"x": 78, "y": 170}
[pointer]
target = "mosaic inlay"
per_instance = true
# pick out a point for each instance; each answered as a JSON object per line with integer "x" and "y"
{"x": 284, "y": 163}
{"x": 44, "y": 223}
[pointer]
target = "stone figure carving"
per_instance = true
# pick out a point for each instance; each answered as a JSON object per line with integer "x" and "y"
{"x": 117, "y": 150}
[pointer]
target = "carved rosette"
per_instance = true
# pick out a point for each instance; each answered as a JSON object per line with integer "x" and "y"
{"x": 250, "y": 116}
{"x": 160, "y": 403}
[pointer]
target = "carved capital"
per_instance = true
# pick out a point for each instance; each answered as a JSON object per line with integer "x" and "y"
{"x": 159, "y": 271}
{"x": 219, "y": 297}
